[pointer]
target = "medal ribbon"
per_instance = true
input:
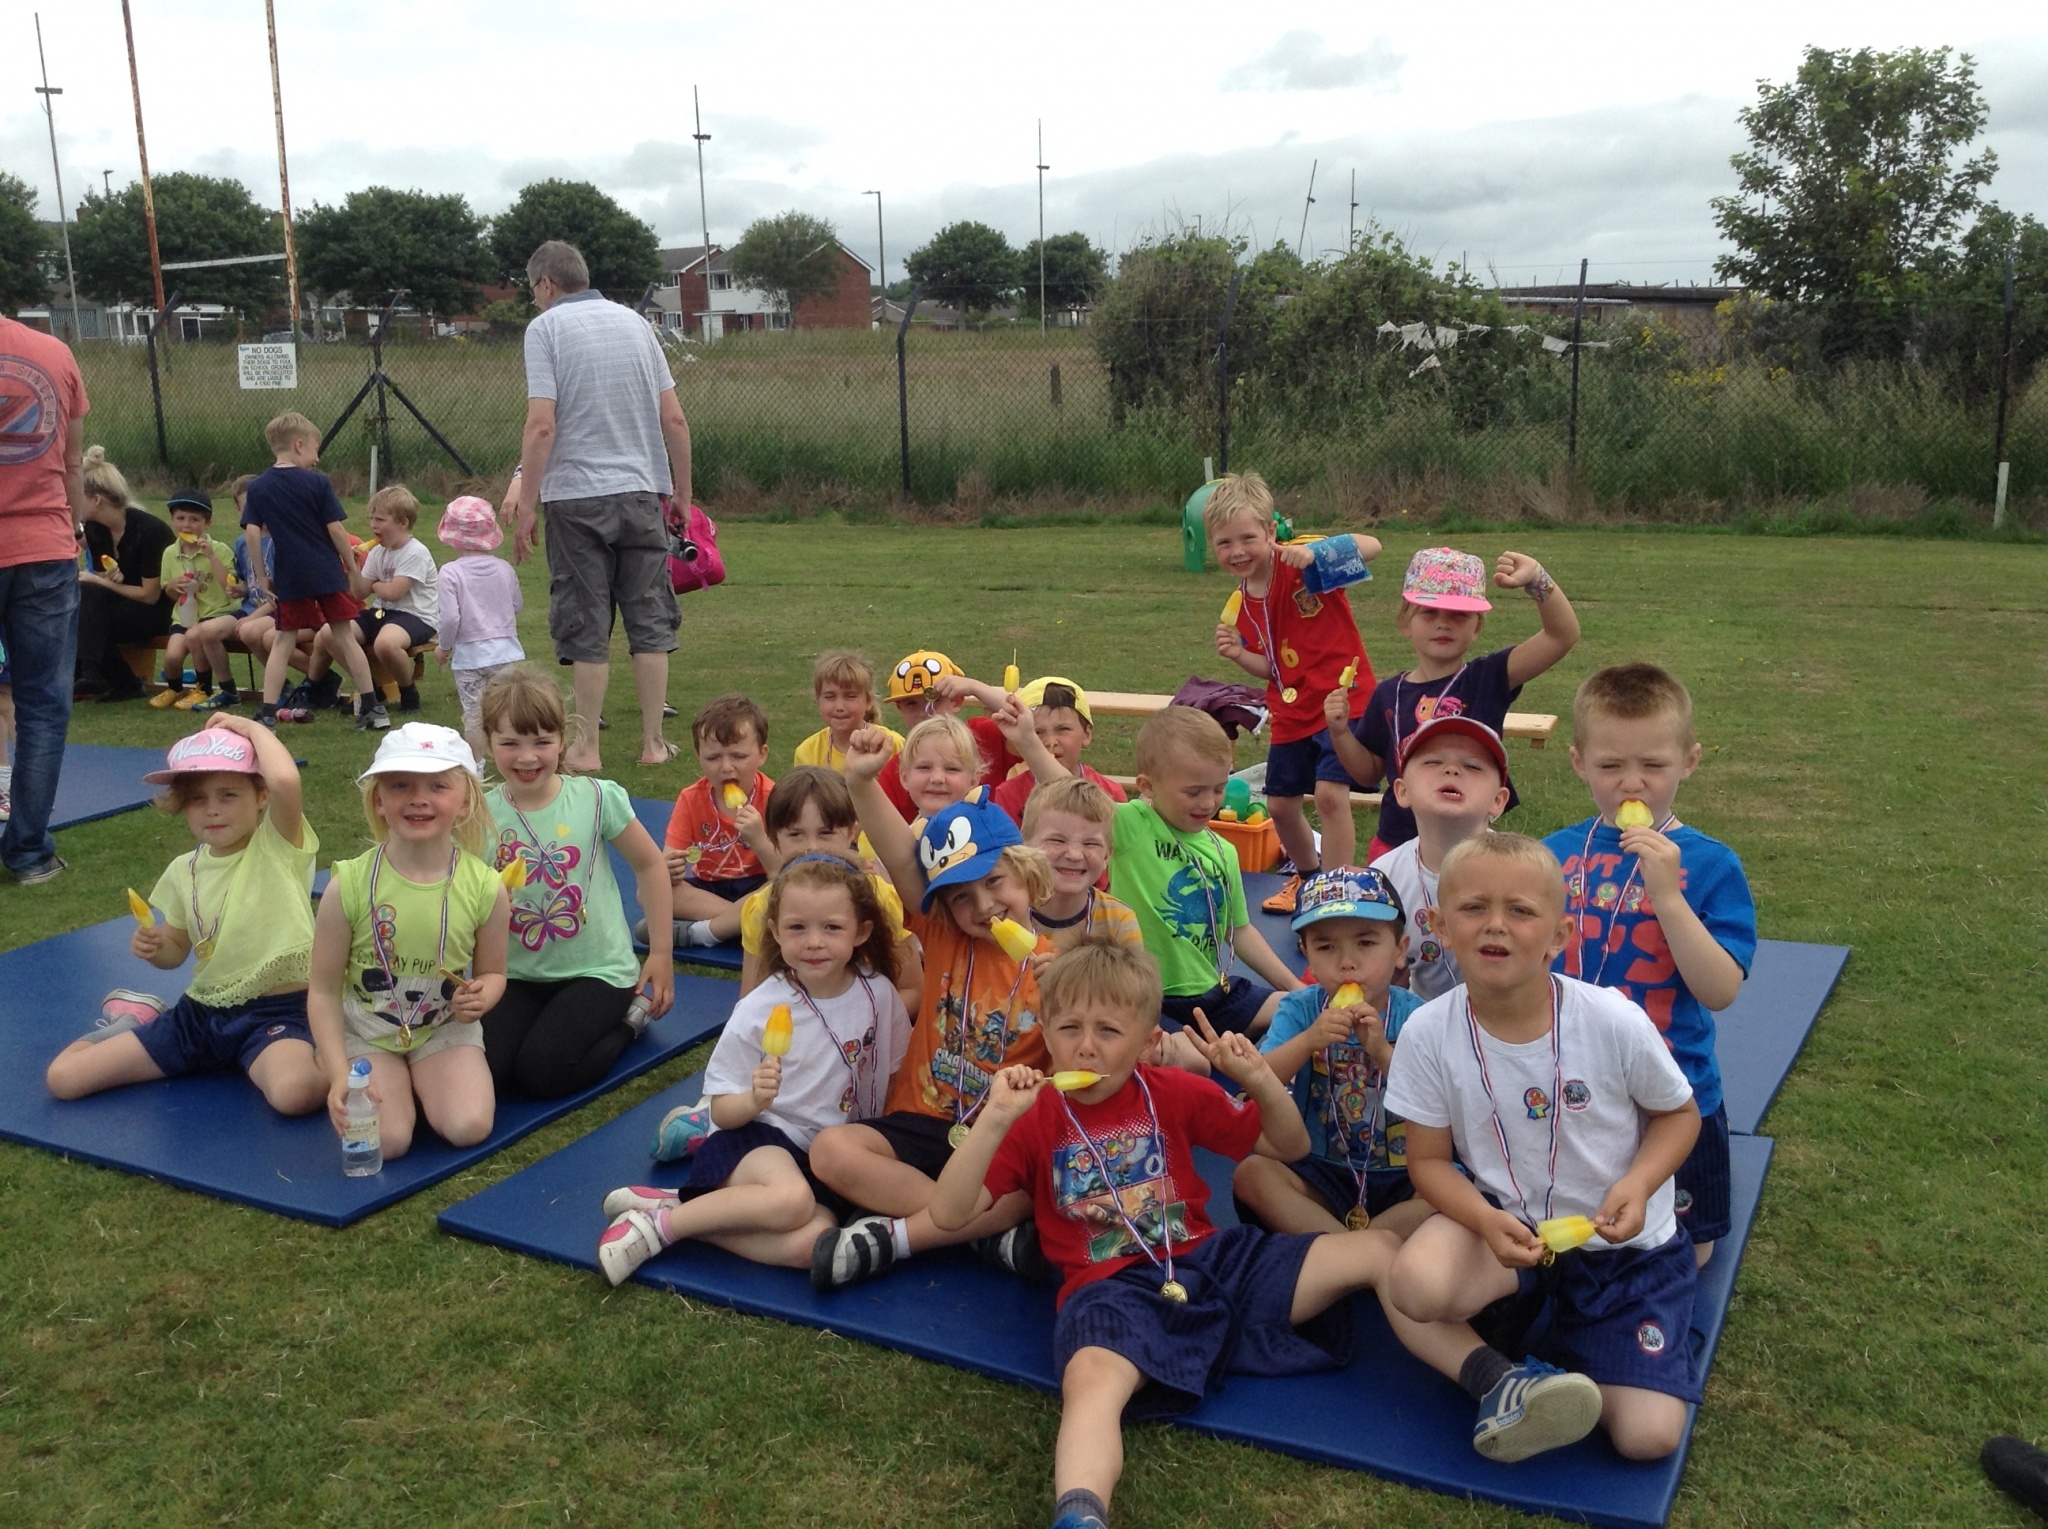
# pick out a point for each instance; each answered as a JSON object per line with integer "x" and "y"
{"x": 1401, "y": 738}
{"x": 385, "y": 952}
{"x": 1585, "y": 903}
{"x": 1115, "y": 1199}
{"x": 839, "y": 1047}
{"x": 961, "y": 1119}
{"x": 1500, "y": 1134}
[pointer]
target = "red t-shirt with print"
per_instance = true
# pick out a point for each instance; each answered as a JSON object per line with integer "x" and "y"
{"x": 1315, "y": 637}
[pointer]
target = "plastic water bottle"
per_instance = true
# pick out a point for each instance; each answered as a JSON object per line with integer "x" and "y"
{"x": 362, "y": 1148}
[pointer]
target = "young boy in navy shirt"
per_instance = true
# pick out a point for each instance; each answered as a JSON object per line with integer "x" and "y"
{"x": 1659, "y": 910}
{"x": 1157, "y": 1303}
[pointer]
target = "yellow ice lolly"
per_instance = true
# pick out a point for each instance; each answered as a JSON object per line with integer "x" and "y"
{"x": 1632, "y": 814}
{"x": 777, "y": 1033}
{"x": 733, "y": 797}
{"x": 1349, "y": 996}
{"x": 1018, "y": 942}
{"x": 1232, "y": 606}
{"x": 514, "y": 874}
{"x": 1080, "y": 1077}
{"x": 1561, "y": 1234}
{"x": 1350, "y": 673}
{"x": 145, "y": 916}
{"x": 108, "y": 565}
{"x": 1013, "y": 677}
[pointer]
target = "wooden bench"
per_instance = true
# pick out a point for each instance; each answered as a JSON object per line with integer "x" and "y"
{"x": 142, "y": 663}
{"x": 1358, "y": 798}
{"x": 1531, "y": 727}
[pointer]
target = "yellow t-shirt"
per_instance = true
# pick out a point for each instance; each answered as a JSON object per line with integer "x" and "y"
{"x": 1104, "y": 916}
{"x": 754, "y": 915}
{"x": 817, "y": 749}
{"x": 253, "y": 914}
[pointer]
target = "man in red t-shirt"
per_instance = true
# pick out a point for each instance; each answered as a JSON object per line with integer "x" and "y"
{"x": 42, "y": 500}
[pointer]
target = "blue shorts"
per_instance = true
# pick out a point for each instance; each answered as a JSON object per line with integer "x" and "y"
{"x": 1240, "y": 1283}
{"x": 1337, "y": 1188}
{"x": 1292, "y": 769}
{"x": 191, "y": 1036}
{"x": 918, "y": 1140}
{"x": 719, "y": 1154}
{"x": 736, "y": 890}
{"x": 1621, "y": 1318}
{"x": 1233, "y": 1008}
{"x": 1702, "y": 1183}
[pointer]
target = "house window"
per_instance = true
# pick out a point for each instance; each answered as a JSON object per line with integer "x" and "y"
{"x": 673, "y": 279}
{"x": 778, "y": 321}
{"x": 721, "y": 281}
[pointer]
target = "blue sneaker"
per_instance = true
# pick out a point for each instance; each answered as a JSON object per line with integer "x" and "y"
{"x": 682, "y": 1131}
{"x": 1534, "y": 1407}
{"x": 1078, "y": 1521}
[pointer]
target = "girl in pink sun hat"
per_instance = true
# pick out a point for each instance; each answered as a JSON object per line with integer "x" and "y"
{"x": 1443, "y": 610}
{"x": 480, "y": 606}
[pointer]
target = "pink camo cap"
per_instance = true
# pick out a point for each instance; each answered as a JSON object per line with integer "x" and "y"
{"x": 469, "y": 524}
{"x": 1447, "y": 580}
{"x": 206, "y": 752}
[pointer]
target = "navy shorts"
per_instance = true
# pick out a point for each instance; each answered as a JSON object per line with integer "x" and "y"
{"x": 1240, "y": 1283}
{"x": 1292, "y": 769}
{"x": 1701, "y": 1183}
{"x": 737, "y": 890}
{"x": 1622, "y": 1317}
{"x": 1336, "y": 1186}
{"x": 191, "y": 1036}
{"x": 719, "y": 1154}
{"x": 1231, "y": 1009}
{"x": 919, "y": 1141}
{"x": 373, "y": 621}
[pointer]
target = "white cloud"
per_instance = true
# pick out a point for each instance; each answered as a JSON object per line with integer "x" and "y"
{"x": 1304, "y": 60}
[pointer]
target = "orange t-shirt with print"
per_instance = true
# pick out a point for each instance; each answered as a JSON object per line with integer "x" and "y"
{"x": 1000, "y": 1021}
{"x": 700, "y": 823}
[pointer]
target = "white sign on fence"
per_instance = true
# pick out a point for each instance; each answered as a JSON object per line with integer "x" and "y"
{"x": 268, "y": 366}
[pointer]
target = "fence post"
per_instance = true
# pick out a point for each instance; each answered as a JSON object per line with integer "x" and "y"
{"x": 1571, "y": 449}
{"x": 2004, "y": 388}
{"x": 903, "y": 385}
{"x": 156, "y": 396}
{"x": 1223, "y": 373}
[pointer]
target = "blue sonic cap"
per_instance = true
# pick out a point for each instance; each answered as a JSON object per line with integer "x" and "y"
{"x": 962, "y": 843}
{"x": 1347, "y": 892}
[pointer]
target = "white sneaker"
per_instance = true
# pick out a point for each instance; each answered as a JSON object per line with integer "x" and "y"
{"x": 627, "y": 1243}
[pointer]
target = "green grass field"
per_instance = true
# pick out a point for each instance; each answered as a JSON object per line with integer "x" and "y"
{"x": 1874, "y": 714}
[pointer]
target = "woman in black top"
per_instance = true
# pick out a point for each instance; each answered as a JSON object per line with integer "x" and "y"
{"x": 126, "y": 604}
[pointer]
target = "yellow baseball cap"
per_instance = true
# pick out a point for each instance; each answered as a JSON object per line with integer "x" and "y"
{"x": 1033, "y": 694}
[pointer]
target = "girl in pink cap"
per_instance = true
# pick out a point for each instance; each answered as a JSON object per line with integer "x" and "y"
{"x": 240, "y": 904}
{"x": 1443, "y": 611}
{"x": 480, "y": 606}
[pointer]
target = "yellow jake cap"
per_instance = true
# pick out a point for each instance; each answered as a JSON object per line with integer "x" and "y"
{"x": 1033, "y": 694}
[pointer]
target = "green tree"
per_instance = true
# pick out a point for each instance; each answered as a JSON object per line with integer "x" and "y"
{"x": 792, "y": 257}
{"x": 966, "y": 265}
{"x": 622, "y": 252}
{"x": 1155, "y": 325}
{"x": 198, "y": 217}
{"x": 1854, "y": 185}
{"x": 1965, "y": 325}
{"x": 382, "y": 238}
{"x": 1075, "y": 274}
{"x": 24, "y": 248}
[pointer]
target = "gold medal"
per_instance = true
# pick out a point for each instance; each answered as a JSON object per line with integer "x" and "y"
{"x": 204, "y": 950}
{"x": 1290, "y": 695}
{"x": 1175, "y": 1292}
{"x": 1548, "y": 1258}
{"x": 957, "y": 1137}
{"x": 1358, "y": 1218}
{"x": 405, "y": 1037}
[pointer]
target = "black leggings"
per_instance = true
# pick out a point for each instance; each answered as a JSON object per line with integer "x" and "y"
{"x": 105, "y": 621}
{"x": 546, "y": 1039}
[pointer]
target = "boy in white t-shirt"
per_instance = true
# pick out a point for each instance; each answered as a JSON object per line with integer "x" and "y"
{"x": 404, "y": 606}
{"x": 1459, "y": 787}
{"x": 1562, "y": 1101}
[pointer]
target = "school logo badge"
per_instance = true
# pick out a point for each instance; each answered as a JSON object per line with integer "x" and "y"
{"x": 1681, "y": 1202}
{"x": 1576, "y": 1095}
{"x": 1538, "y": 1104}
{"x": 29, "y": 414}
{"x": 1650, "y": 1338}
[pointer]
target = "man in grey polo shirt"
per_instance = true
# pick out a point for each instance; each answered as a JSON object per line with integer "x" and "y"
{"x": 604, "y": 438}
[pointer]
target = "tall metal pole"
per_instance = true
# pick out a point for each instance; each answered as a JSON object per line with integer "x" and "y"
{"x": 284, "y": 180}
{"x": 156, "y": 260}
{"x": 1308, "y": 203}
{"x": 1571, "y": 449}
{"x": 1042, "y": 168}
{"x": 2004, "y": 376}
{"x": 1351, "y": 232}
{"x": 47, "y": 91}
{"x": 881, "y": 252}
{"x": 703, "y": 213}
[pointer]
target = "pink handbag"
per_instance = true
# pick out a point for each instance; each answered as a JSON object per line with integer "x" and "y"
{"x": 693, "y": 558}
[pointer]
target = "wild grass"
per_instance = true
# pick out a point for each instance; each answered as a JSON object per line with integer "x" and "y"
{"x": 1874, "y": 714}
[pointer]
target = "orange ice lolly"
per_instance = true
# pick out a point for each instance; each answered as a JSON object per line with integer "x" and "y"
{"x": 777, "y": 1033}
{"x": 1349, "y": 996}
{"x": 733, "y": 797}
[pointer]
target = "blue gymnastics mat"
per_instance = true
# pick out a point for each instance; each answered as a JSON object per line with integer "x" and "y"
{"x": 97, "y": 782}
{"x": 1757, "y": 1038}
{"x": 654, "y": 817}
{"x": 214, "y": 1133}
{"x": 1386, "y": 1413}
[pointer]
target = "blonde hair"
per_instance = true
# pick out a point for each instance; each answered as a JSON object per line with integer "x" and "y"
{"x": 241, "y": 485}
{"x": 1465, "y": 857}
{"x": 1238, "y": 494}
{"x": 948, "y": 732}
{"x": 1028, "y": 865}
{"x": 288, "y": 427}
{"x": 1632, "y": 693}
{"x": 1075, "y": 794}
{"x": 395, "y": 500}
{"x": 522, "y": 700}
{"x": 473, "y": 828}
{"x": 1177, "y": 732}
{"x": 103, "y": 479}
{"x": 1103, "y": 968}
{"x": 877, "y": 953}
{"x": 849, "y": 671}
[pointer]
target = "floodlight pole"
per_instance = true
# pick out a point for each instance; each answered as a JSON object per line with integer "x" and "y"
{"x": 1042, "y": 168}
{"x": 48, "y": 91}
{"x": 1310, "y": 202}
{"x": 881, "y": 252}
{"x": 284, "y": 182}
{"x": 703, "y": 214}
{"x": 1351, "y": 234}
{"x": 156, "y": 260}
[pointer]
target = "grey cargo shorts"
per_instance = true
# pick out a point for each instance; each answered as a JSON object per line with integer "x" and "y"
{"x": 606, "y": 552}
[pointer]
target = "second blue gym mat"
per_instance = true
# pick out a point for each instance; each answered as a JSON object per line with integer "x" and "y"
{"x": 214, "y": 1133}
{"x": 654, "y": 817}
{"x": 1386, "y": 1413}
{"x": 96, "y": 781}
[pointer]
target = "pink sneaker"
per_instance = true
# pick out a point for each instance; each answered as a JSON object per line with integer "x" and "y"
{"x": 627, "y": 1243}
{"x": 638, "y": 1197}
{"x": 122, "y": 1003}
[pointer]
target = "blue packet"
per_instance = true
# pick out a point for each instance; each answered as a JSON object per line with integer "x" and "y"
{"x": 1337, "y": 564}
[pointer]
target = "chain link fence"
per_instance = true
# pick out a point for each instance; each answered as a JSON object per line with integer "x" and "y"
{"x": 1639, "y": 419}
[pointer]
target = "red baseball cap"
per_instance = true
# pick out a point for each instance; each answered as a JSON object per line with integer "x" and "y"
{"x": 1470, "y": 727}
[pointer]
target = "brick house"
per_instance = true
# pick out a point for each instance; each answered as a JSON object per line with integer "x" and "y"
{"x": 701, "y": 298}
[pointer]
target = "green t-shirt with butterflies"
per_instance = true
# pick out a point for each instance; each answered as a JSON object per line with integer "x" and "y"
{"x": 567, "y": 921}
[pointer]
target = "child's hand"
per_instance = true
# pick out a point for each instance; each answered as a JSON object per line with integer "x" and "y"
{"x": 1659, "y": 858}
{"x": 1294, "y": 556}
{"x": 1175, "y": 1048}
{"x": 1621, "y": 1214}
{"x": 443, "y": 657}
{"x": 1228, "y": 643}
{"x": 658, "y": 979}
{"x": 1014, "y": 718}
{"x": 337, "y": 1103}
{"x": 1516, "y": 570}
{"x": 1337, "y": 708}
{"x": 678, "y": 865}
{"x": 467, "y": 1006}
{"x": 1332, "y": 1026}
{"x": 1011, "y": 1091}
{"x": 867, "y": 751}
{"x": 1512, "y": 1244}
{"x": 952, "y": 687}
{"x": 1231, "y": 1053}
{"x": 747, "y": 822}
{"x": 147, "y": 943}
{"x": 767, "y": 1082}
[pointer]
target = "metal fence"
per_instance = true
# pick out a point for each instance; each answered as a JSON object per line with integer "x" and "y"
{"x": 1502, "y": 421}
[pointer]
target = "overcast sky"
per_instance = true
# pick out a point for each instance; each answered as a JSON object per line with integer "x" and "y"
{"x": 1524, "y": 136}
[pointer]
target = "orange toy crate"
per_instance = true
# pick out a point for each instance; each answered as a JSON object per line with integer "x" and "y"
{"x": 1257, "y": 844}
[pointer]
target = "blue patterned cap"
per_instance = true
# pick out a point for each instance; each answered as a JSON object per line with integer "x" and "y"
{"x": 1347, "y": 892}
{"x": 962, "y": 843}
